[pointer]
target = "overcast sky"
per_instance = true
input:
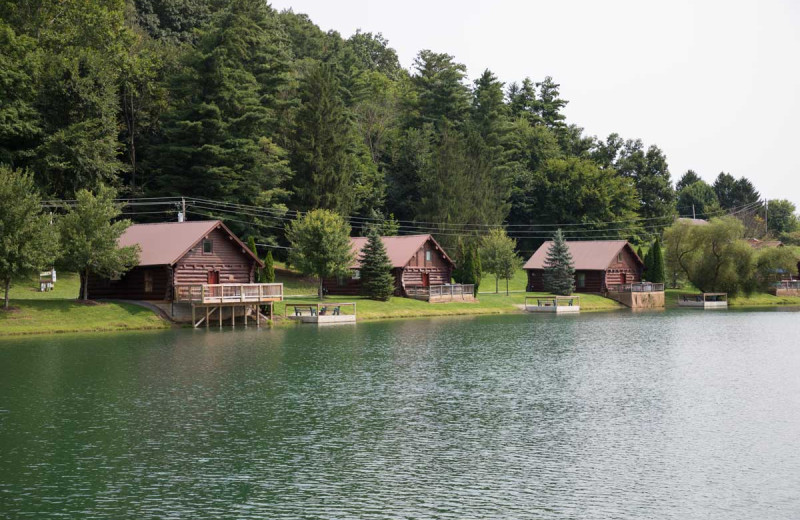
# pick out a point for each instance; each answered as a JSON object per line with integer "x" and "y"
{"x": 715, "y": 84}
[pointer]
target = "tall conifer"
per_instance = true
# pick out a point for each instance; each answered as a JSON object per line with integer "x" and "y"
{"x": 559, "y": 271}
{"x": 377, "y": 282}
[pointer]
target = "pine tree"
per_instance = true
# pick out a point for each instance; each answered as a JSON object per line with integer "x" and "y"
{"x": 648, "y": 264}
{"x": 559, "y": 271}
{"x": 322, "y": 139}
{"x": 639, "y": 253}
{"x": 657, "y": 268}
{"x": 268, "y": 273}
{"x": 377, "y": 282}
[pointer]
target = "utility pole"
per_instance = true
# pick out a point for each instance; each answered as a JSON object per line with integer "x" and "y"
{"x": 766, "y": 216}
{"x": 183, "y": 209}
{"x": 693, "y": 214}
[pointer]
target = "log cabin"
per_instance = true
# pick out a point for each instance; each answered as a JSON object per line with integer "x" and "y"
{"x": 598, "y": 264}
{"x": 417, "y": 261}
{"x": 178, "y": 253}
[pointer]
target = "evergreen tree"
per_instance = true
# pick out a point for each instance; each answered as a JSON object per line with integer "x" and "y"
{"x": 321, "y": 145}
{"x": 550, "y": 104}
{"x": 648, "y": 265}
{"x": 559, "y": 271}
{"x": 522, "y": 101}
{"x": 216, "y": 140}
{"x": 439, "y": 85}
{"x": 690, "y": 177}
{"x": 639, "y": 253}
{"x": 657, "y": 268}
{"x": 377, "y": 281}
{"x": 268, "y": 273}
{"x": 698, "y": 199}
{"x": 259, "y": 273}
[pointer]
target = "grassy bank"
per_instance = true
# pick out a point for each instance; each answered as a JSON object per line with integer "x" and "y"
{"x": 35, "y": 312}
{"x": 487, "y": 304}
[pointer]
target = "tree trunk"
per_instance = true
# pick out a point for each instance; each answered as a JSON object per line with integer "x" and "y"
{"x": 506, "y": 286}
{"x": 320, "y": 287}
{"x": 8, "y": 287}
{"x": 496, "y": 284}
{"x": 85, "y": 283}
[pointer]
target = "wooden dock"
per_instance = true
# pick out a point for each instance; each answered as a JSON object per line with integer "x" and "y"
{"x": 704, "y": 301}
{"x": 321, "y": 313}
{"x": 553, "y": 304}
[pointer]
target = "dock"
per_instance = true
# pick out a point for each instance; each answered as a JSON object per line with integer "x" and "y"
{"x": 704, "y": 300}
{"x": 321, "y": 313}
{"x": 553, "y": 304}
{"x": 640, "y": 295}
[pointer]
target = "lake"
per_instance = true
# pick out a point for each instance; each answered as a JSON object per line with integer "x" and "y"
{"x": 679, "y": 414}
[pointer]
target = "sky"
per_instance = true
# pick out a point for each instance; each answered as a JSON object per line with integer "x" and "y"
{"x": 714, "y": 84}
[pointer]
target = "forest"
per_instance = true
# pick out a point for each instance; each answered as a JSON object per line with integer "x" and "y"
{"x": 255, "y": 116}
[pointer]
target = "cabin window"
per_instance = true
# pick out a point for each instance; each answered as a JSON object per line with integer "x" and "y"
{"x": 208, "y": 247}
{"x": 356, "y": 274}
{"x": 581, "y": 279}
{"x": 428, "y": 255}
{"x": 148, "y": 281}
{"x": 619, "y": 257}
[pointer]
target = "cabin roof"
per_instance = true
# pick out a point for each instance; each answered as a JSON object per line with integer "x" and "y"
{"x": 165, "y": 243}
{"x": 763, "y": 244}
{"x": 694, "y": 221}
{"x": 400, "y": 249}
{"x": 587, "y": 255}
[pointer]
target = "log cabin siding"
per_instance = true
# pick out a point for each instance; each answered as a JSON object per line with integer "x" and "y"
{"x": 227, "y": 257}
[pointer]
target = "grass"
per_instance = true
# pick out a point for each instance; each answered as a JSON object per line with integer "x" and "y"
{"x": 35, "y": 312}
{"x": 487, "y": 304}
{"x": 294, "y": 283}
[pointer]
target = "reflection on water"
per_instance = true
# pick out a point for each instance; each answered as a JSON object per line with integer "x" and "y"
{"x": 684, "y": 414}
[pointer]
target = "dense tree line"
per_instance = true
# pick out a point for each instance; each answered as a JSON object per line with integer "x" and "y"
{"x": 235, "y": 101}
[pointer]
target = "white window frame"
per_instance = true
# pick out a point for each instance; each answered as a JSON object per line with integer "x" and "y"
{"x": 356, "y": 274}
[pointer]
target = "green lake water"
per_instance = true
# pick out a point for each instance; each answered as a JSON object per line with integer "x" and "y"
{"x": 671, "y": 415}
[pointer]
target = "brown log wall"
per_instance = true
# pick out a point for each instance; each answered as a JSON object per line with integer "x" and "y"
{"x": 233, "y": 264}
{"x": 594, "y": 281}
{"x": 131, "y": 286}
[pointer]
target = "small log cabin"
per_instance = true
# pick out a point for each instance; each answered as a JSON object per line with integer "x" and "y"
{"x": 417, "y": 261}
{"x": 172, "y": 253}
{"x": 598, "y": 264}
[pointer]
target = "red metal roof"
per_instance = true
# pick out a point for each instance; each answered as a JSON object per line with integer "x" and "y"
{"x": 165, "y": 243}
{"x": 400, "y": 249}
{"x": 589, "y": 255}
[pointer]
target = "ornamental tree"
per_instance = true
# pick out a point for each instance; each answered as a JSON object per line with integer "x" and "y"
{"x": 89, "y": 234}
{"x": 377, "y": 282}
{"x": 320, "y": 242}
{"x": 559, "y": 270}
{"x": 498, "y": 256}
{"x": 28, "y": 240}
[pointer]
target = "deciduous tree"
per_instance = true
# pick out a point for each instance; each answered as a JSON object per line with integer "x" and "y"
{"x": 498, "y": 256}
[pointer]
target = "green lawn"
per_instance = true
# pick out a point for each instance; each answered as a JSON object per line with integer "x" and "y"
{"x": 487, "y": 304}
{"x": 35, "y": 312}
{"x": 294, "y": 283}
{"x": 517, "y": 284}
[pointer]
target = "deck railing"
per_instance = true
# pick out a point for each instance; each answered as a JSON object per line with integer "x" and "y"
{"x": 320, "y": 309}
{"x": 228, "y": 293}
{"x": 787, "y": 284}
{"x": 553, "y": 301}
{"x": 703, "y": 297}
{"x": 643, "y": 287}
{"x": 442, "y": 292}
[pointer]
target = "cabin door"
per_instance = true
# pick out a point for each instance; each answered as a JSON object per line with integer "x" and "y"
{"x": 426, "y": 280}
{"x": 213, "y": 277}
{"x": 623, "y": 278}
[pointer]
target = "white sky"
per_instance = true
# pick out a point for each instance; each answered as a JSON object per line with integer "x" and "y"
{"x": 714, "y": 83}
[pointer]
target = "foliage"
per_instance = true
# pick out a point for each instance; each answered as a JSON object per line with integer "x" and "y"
{"x": 377, "y": 281}
{"x": 732, "y": 193}
{"x": 320, "y": 242}
{"x": 559, "y": 270}
{"x": 698, "y": 200}
{"x": 268, "y": 273}
{"x": 713, "y": 258}
{"x": 468, "y": 264}
{"x": 782, "y": 217}
{"x": 28, "y": 239}
{"x": 774, "y": 264}
{"x": 499, "y": 257}
{"x": 89, "y": 235}
{"x": 259, "y": 273}
{"x": 690, "y": 177}
{"x": 656, "y": 272}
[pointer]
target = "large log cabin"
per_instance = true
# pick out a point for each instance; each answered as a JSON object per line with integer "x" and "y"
{"x": 175, "y": 253}
{"x": 598, "y": 264}
{"x": 417, "y": 261}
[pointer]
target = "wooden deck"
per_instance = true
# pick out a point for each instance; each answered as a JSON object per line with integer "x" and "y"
{"x": 442, "y": 293}
{"x": 225, "y": 293}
